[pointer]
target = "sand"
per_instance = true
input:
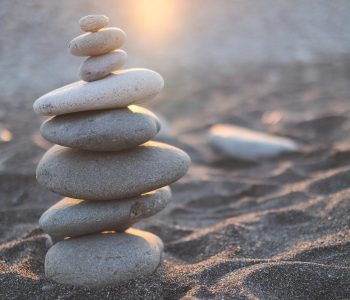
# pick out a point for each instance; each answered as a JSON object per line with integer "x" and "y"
{"x": 278, "y": 229}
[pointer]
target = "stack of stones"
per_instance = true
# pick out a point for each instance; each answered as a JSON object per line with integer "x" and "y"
{"x": 105, "y": 164}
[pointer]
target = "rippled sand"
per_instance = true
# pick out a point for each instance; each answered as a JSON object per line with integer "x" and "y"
{"x": 234, "y": 230}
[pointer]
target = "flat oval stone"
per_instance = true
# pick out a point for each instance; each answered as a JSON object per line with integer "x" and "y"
{"x": 105, "y": 130}
{"x": 111, "y": 175}
{"x": 104, "y": 259}
{"x": 118, "y": 90}
{"x": 74, "y": 217}
{"x": 98, "y": 67}
{"x": 93, "y": 23}
{"x": 97, "y": 43}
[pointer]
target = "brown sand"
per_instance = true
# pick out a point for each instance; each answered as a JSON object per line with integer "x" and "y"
{"x": 278, "y": 229}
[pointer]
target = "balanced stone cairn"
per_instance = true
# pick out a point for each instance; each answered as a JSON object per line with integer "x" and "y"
{"x": 105, "y": 164}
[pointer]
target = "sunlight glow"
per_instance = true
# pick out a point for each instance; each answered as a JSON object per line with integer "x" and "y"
{"x": 272, "y": 117}
{"x": 40, "y": 141}
{"x": 155, "y": 18}
{"x": 5, "y": 135}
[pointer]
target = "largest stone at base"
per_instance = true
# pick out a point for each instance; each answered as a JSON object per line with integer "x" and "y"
{"x": 104, "y": 259}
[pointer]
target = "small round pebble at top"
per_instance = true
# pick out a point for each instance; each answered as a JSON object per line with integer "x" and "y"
{"x": 93, "y": 23}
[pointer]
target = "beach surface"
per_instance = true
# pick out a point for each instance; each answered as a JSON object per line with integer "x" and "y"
{"x": 272, "y": 229}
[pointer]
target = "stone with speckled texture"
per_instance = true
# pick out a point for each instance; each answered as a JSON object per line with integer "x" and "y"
{"x": 93, "y": 23}
{"x": 98, "y": 67}
{"x": 104, "y": 130}
{"x": 74, "y": 217}
{"x": 97, "y": 43}
{"x": 118, "y": 90}
{"x": 92, "y": 175}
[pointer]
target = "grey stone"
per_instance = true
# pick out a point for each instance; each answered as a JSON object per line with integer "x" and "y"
{"x": 105, "y": 130}
{"x": 97, "y": 43}
{"x": 93, "y": 23}
{"x": 49, "y": 242}
{"x": 242, "y": 143}
{"x": 98, "y": 67}
{"x": 48, "y": 287}
{"x": 104, "y": 259}
{"x": 118, "y": 90}
{"x": 73, "y": 217}
{"x": 111, "y": 175}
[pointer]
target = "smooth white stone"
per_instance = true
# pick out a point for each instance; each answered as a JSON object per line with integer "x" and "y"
{"x": 118, "y": 90}
{"x": 93, "y": 23}
{"x": 98, "y": 67}
{"x": 97, "y": 43}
